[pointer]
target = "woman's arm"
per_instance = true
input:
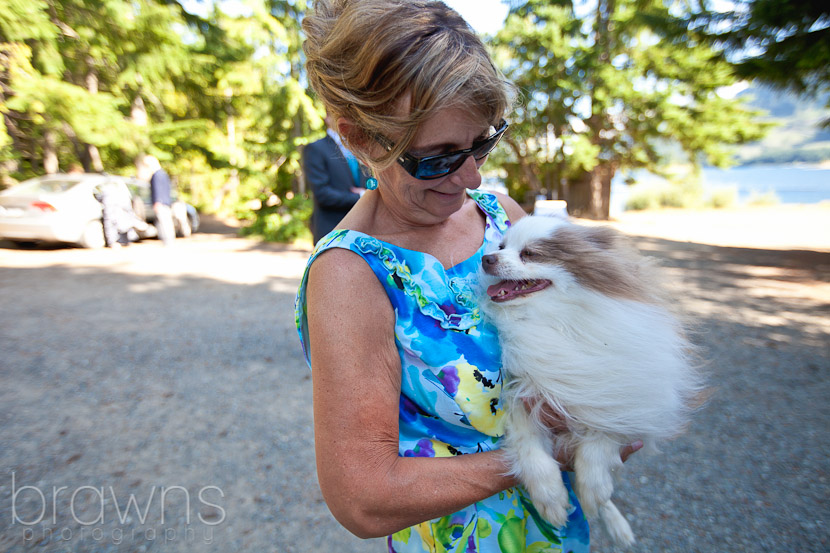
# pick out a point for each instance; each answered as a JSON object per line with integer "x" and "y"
{"x": 356, "y": 375}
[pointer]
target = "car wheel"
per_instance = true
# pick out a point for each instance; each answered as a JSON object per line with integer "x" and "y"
{"x": 93, "y": 236}
{"x": 24, "y": 244}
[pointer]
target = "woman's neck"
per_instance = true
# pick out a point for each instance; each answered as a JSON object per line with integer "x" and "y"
{"x": 450, "y": 240}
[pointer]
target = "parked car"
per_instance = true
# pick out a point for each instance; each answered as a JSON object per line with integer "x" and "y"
{"x": 64, "y": 208}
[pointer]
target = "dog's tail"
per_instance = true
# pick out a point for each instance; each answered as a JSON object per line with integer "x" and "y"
{"x": 615, "y": 524}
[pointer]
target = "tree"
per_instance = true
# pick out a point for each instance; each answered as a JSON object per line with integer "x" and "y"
{"x": 217, "y": 95}
{"x": 70, "y": 80}
{"x": 783, "y": 43}
{"x": 606, "y": 87}
{"x": 266, "y": 111}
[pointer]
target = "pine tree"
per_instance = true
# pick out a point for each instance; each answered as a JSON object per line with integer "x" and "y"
{"x": 216, "y": 96}
{"x": 606, "y": 87}
{"x": 71, "y": 80}
{"x": 781, "y": 43}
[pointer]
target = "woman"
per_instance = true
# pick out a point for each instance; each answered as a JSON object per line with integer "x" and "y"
{"x": 406, "y": 375}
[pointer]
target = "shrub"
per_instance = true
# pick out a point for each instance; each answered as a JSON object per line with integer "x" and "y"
{"x": 721, "y": 198}
{"x": 763, "y": 199}
{"x": 285, "y": 222}
{"x": 640, "y": 200}
{"x": 657, "y": 195}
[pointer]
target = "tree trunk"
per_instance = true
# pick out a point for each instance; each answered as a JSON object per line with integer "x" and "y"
{"x": 9, "y": 117}
{"x": 590, "y": 195}
{"x": 528, "y": 174}
{"x": 138, "y": 111}
{"x": 578, "y": 195}
{"x": 601, "y": 191}
{"x": 298, "y": 182}
{"x": 230, "y": 186}
{"x": 80, "y": 149}
{"x": 50, "y": 153}
{"x": 91, "y": 156}
{"x": 91, "y": 79}
{"x": 94, "y": 158}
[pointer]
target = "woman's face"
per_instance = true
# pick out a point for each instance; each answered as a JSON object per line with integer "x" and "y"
{"x": 433, "y": 201}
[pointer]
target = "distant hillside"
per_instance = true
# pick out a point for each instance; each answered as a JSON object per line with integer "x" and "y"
{"x": 797, "y": 136}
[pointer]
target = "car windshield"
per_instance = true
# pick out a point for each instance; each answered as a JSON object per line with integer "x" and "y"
{"x": 50, "y": 186}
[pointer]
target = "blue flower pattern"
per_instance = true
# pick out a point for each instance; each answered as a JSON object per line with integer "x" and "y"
{"x": 450, "y": 389}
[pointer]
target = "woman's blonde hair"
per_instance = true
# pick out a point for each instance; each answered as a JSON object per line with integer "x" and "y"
{"x": 364, "y": 57}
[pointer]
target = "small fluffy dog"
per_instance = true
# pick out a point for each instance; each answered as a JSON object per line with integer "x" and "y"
{"x": 585, "y": 330}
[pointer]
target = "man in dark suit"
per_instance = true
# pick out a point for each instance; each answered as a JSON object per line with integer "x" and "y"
{"x": 149, "y": 169}
{"x": 336, "y": 180}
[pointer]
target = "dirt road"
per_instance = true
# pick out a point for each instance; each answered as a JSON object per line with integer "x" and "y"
{"x": 174, "y": 377}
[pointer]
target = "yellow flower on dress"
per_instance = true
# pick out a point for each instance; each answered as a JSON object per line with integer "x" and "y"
{"x": 478, "y": 398}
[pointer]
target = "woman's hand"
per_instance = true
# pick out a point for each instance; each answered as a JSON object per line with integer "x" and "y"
{"x": 558, "y": 423}
{"x": 628, "y": 449}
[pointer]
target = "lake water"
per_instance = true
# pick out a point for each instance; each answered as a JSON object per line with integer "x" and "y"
{"x": 791, "y": 184}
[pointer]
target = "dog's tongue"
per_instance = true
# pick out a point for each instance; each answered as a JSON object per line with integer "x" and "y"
{"x": 502, "y": 289}
{"x": 509, "y": 289}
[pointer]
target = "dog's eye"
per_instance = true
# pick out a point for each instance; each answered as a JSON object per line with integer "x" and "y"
{"x": 527, "y": 254}
{"x": 501, "y": 246}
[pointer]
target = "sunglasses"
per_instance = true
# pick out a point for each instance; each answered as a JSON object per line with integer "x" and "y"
{"x": 435, "y": 167}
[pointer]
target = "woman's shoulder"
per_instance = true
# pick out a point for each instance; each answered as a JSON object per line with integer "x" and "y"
{"x": 341, "y": 270}
{"x": 352, "y": 256}
{"x": 337, "y": 249}
{"x": 511, "y": 206}
{"x": 498, "y": 205}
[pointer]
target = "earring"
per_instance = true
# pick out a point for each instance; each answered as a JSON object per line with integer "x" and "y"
{"x": 371, "y": 183}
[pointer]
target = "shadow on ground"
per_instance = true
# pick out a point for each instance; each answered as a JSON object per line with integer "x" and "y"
{"x": 751, "y": 472}
{"x": 189, "y": 394}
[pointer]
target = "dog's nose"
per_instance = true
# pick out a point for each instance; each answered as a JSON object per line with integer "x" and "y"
{"x": 489, "y": 261}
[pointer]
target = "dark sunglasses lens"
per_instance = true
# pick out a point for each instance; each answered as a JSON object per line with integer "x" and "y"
{"x": 439, "y": 166}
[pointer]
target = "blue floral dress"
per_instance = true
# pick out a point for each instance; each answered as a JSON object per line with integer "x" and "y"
{"x": 451, "y": 389}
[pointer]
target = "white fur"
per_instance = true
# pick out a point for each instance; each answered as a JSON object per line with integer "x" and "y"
{"x": 617, "y": 369}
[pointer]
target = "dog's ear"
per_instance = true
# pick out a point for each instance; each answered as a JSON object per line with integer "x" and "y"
{"x": 604, "y": 238}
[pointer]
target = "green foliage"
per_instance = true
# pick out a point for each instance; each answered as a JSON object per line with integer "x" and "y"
{"x": 220, "y": 97}
{"x": 286, "y": 222}
{"x": 605, "y": 86}
{"x": 217, "y": 97}
{"x": 657, "y": 195}
{"x": 769, "y": 198}
{"x": 722, "y": 198}
{"x": 785, "y": 44}
{"x": 682, "y": 190}
{"x": 22, "y": 20}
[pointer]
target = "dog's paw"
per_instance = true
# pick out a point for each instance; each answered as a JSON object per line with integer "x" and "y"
{"x": 621, "y": 534}
{"x": 593, "y": 493}
{"x": 593, "y": 485}
{"x": 594, "y": 461}
{"x": 552, "y": 503}
{"x": 554, "y": 513}
{"x": 615, "y": 525}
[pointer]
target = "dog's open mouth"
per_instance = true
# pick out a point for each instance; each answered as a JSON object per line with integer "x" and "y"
{"x": 507, "y": 290}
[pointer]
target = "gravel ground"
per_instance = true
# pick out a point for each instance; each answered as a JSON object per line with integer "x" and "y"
{"x": 174, "y": 376}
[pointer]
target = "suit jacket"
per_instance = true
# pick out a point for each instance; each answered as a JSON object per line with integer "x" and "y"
{"x": 160, "y": 187}
{"x": 328, "y": 174}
